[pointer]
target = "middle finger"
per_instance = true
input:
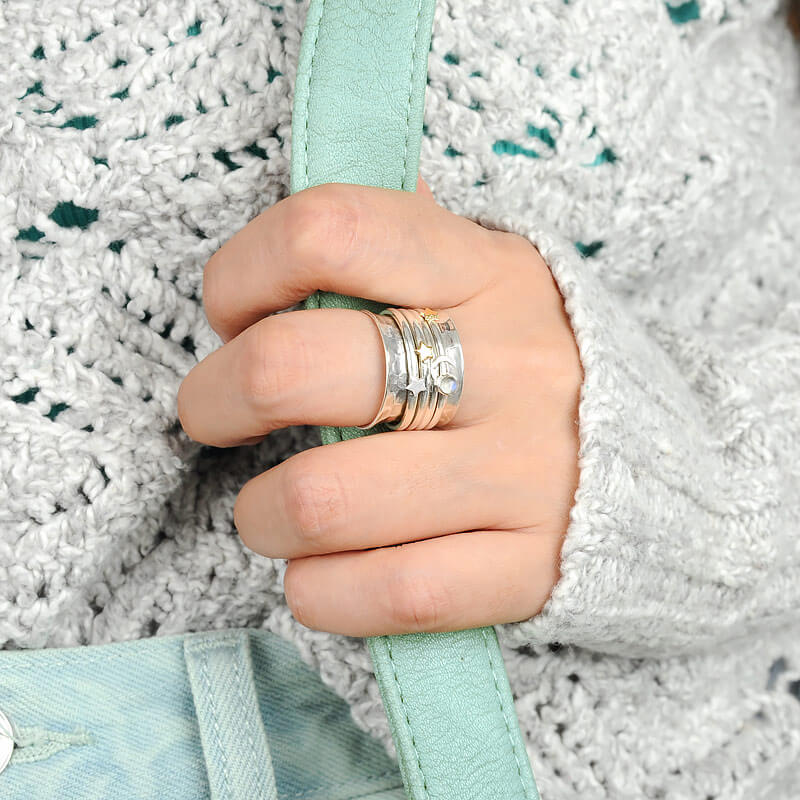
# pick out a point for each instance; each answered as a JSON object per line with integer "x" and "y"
{"x": 386, "y": 245}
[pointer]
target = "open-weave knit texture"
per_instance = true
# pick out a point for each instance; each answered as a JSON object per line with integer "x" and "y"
{"x": 649, "y": 150}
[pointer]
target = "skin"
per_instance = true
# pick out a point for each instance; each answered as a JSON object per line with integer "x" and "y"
{"x": 401, "y": 531}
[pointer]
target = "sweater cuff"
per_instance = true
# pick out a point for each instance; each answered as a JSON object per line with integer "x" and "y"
{"x": 647, "y": 566}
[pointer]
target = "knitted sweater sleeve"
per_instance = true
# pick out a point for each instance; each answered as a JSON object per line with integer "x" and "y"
{"x": 685, "y": 526}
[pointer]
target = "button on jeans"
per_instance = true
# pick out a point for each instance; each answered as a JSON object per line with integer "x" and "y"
{"x": 225, "y": 715}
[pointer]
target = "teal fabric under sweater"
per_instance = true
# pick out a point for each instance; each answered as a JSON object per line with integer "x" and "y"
{"x": 225, "y": 715}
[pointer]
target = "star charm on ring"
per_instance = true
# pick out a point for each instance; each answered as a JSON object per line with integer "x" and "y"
{"x": 416, "y": 386}
{"x": 425, "y": 352}
{"x": 429, "y": 315}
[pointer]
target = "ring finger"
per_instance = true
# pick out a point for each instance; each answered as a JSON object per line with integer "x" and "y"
{"x": 372, "y": 491}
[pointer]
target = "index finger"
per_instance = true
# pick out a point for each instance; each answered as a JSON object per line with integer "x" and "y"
{"x": 387, "y": 245}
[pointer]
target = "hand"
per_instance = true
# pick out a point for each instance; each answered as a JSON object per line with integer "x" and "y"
{"x": 397, "y": 531}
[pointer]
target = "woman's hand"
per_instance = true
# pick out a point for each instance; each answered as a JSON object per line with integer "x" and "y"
{"x": 399, "y": 531}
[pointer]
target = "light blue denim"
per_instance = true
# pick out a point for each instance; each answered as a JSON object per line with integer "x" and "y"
{"x": 225, "y": 715}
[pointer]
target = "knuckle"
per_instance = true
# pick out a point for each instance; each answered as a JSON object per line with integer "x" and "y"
{"x": 417, "y": 602}
{"x": 323, "y": 227}
{"x": 511, "y": 249}
{"x": 526, "y": 256}
{"x": 272, "y": 363}
{"x": 513, "y": 240}
{"x": 316, "y": 503}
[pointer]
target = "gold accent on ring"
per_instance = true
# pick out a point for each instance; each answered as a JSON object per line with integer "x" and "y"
{"x": 424, "y": 351}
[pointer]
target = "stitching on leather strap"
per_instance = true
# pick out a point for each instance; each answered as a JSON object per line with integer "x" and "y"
{"x": 414, "y": 58}
{"x": 308, "y": 90}
{"x": 334, "y": 431}
{"x": 405, "y": 710}
{"x": 503, "y": 711}
{"x": 337, "y": 429}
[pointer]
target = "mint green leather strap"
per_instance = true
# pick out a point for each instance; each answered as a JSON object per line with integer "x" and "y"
{"x": 357, "y": 118}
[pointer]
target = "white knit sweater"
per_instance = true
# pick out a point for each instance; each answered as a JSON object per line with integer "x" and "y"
{"x": 660, "y": 142}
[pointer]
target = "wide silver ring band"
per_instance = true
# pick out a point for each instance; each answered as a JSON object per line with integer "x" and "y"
{"x": 424, "y": 369}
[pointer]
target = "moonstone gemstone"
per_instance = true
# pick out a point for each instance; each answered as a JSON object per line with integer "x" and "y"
{"x": 447, "y": 384}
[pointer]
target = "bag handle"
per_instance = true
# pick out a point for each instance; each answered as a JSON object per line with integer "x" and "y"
{"x": 357, "y": 118}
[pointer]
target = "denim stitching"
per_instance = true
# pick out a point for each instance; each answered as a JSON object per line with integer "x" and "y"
{"x": 263, "y": 790}
{"x": 213, "y": 711}
{"x": 36, "y": 744}
{"x": 37, "y": 659}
